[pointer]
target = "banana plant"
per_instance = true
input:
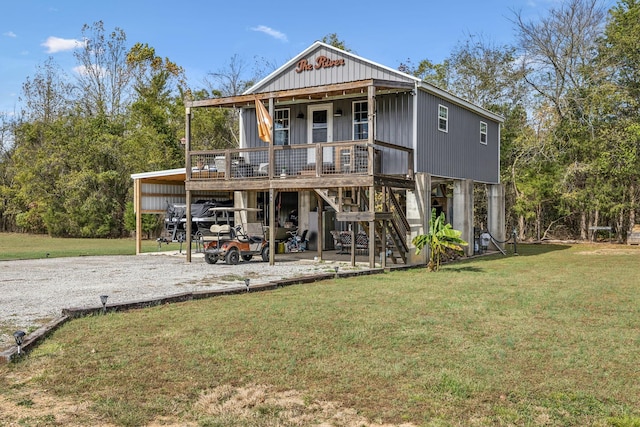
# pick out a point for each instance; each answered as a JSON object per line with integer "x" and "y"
{"x": 441, "y": 236}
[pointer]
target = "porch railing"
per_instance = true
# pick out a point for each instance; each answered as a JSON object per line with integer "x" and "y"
{"x": 301, "y": 161}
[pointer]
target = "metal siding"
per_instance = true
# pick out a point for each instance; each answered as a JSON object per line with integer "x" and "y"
{"x": 393, "y": 125}
{"x": 457, "y": 153}
{"x": 353, "y": 70}
{"x": 163, "y": 194}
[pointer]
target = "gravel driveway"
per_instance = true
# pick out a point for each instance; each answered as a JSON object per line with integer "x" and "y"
{"x": 34, "y": 292}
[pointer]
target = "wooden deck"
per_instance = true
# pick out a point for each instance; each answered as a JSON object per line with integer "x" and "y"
{"x": 341, "y": 164}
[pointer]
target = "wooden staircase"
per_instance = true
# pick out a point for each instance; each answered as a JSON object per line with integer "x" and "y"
{"x": 394, "y": 225}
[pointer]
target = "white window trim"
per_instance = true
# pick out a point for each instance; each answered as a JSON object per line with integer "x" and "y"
{"x": 446, "y": 119}
{"x": 288, "y": 128}
{"x": 353, "y": 120}
{"x": 485, "y": 133}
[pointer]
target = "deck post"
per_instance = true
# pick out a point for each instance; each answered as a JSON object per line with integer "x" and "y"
{"x": 463, "y": 211}
{"x": 187, "y": 177}
{"x": 383, "y": 233}
{"x": 272, "y": 224}
{"x": 371, "y": 136}
{"x": 418, "y": 215}
{"x": 320, "y": 226}
{"x": 495, "y": 212}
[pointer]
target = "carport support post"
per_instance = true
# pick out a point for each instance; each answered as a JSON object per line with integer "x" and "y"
{"x": 463, "y": 211}
{"x": 137, "y": 203}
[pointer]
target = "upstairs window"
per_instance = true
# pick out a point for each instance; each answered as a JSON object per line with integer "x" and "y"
{"x": 443, "y": 118}
{"x": 281, "y": 127}
{"x": 483, "y": 133}
{"x": 360, "y": 120}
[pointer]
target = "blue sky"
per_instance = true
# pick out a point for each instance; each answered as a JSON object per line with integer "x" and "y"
{"x": 202, "y": 36}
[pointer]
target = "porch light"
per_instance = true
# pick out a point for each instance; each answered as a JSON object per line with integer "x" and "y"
{"x": 300, "y": 115}
{"x": 338, "y": 113}
{"x": 19, "y": 337}
{"x": 183, "y": 141}
{"x": 103, "y": 300}
{"x": 246, "y": 283}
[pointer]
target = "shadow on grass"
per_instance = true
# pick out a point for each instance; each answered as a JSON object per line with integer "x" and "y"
{"x": 465, "y": 269}
{"x": 524, "y": 249}
{"x": 530, "y": 249}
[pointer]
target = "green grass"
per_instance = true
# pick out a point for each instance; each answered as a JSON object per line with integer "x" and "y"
{"x": 549, "y": 337}
{"x": 29, "y": 246}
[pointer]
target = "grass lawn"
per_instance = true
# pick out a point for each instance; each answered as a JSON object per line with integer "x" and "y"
{"x": 30, "y": 246}
{"x": 549, "y": 337}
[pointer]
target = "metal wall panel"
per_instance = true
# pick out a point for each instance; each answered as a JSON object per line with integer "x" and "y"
{"x": 353, "y": 70}
{"x": 457, "y": 153}
{"x": 394, "y": 114}
{"x": 156, "y": 196}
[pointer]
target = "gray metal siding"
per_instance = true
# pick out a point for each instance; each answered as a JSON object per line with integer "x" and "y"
{"x": 457, "y": 153}
{"x": 354, "y": 69}
{"x": 394, "y": 114}
{"x": 156, "y": 196}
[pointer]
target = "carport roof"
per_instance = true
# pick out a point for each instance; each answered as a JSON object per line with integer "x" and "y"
{"x": 169, "y": 175}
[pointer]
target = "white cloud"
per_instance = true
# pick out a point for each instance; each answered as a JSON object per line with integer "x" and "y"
{"x": 83, "y": 71}
{"x": 270, "y": 32}
{"x": 56, "y": 44}
{"x": 10, "y": 34}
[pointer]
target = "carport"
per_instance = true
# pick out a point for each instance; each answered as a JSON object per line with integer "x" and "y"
{"x": 152, "y": 191}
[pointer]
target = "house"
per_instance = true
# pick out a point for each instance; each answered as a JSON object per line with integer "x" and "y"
{"x": 356, "y": 146}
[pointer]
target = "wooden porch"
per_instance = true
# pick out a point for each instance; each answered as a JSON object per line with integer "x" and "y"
{"x": 339, "y": 164}
{"x": 345, "y": 174}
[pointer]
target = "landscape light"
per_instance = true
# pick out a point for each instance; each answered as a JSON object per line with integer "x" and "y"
{"x": 19, "y": 337}
{"x": 246, "y": 283}
{"x": 336, "y": 269}
{"x": 103, "y": 300}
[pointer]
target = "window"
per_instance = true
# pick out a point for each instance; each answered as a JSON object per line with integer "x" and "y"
{"x": 483, "y": 133}
{"x": 281, "y": 127}
{"x": 443, "y": 118}
{"x": 360, "y": 120}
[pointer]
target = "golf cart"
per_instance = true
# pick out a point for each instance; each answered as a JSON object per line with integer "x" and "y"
{"x": 231, "y": 243}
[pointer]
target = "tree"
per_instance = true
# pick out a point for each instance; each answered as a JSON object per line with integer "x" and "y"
{"x": 436, "y": 74}
{"x": 442, "y": 237}
{"x": 156, "y": 116}
{"x": 215, "y": 128}
{"x": 48, "y": 94}
{"x": 619, "y": 50}
{"x": 555, "y": 50}
{"x": 104, "y": 75}
{"x": 558, "y": 53}
{"x": 332, "y": 39}
{"x": 486, "y": 74}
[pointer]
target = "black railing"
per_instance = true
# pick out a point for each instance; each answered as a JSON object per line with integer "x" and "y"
{"x": 299, "y": 161}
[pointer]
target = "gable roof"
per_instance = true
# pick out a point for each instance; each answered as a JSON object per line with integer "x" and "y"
{"x": 287, "y": 77}
{"x": 288, "y": 82}
{"x": 355, "y": 68}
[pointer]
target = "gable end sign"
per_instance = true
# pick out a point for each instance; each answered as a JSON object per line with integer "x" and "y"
{"x": 320, "y": 62}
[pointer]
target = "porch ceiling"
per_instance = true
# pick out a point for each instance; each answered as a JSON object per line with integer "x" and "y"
{"x": 309, "y": 93}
